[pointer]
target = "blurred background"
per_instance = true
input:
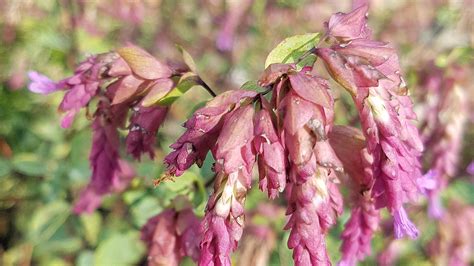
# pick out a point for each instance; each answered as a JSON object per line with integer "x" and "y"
{"x": 43, "y": 168}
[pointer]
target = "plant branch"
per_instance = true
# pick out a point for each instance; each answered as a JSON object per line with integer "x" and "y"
{"x": 206, "y": 87}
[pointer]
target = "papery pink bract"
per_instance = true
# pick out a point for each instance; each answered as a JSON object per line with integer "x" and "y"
{"x": 271, "y": 154}
{"x": 350, "y": 26}
{"x": 314, "y": 200}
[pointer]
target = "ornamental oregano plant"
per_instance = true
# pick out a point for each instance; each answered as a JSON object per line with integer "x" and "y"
{"x": 283, "y": 123}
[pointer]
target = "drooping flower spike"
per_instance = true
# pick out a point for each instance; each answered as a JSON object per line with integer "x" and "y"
{"x": 314, "y": 201}
{"x": 349, "y": 145}
{"x": 122, "y": 81}
{"x": 443, "y": 121}
{"x": 370, "y": 71}
{"x": 224, "y": 219}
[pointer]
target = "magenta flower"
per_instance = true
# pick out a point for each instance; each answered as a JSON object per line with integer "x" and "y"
{"x": 170, "y": 236}
{"x": 202, "y": 131}
{"x": 81, "y": 88}
{"x": 42, "y": 84}
{"x": 144, "y": 125}
{"x": 224, "y": 219}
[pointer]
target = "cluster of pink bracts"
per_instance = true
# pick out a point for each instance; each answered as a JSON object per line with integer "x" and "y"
{"x": 290, "y": 135}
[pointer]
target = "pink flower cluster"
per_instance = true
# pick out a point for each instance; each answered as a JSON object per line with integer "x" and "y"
{"x": 170, "y": 236}
{"x": 443, "y": 122}
{"x": 121, "y": 81}
{"x": 290, "y": 135}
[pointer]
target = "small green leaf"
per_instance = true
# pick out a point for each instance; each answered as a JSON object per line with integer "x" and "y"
{"x": 252, "y": 85}
{"x": 186, "y": 82}
{"x": 46, "y": 220}
{"x": 460, "y": 189}
{"x": 29, "y": 164}
{"x": 307, "y": 61}
{"x": 290, "y": 49}
{"x": 144, "y": 209}
{"x": 182, "y": 183}
{"x": 92, "y": 224}
{"x": 120, "y": 249}
{"x": 4, "y": 167}
{"x": 188, "y": 59}
{"x": 85, "y": 258}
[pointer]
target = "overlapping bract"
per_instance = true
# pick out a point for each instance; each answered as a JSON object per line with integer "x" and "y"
{"x": 306, "y": 110}
{"x": 271, "y": 159}
{"x": 144, "y": 125}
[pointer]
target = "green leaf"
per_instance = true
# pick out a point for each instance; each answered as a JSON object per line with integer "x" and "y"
{"x": 92, "y": 224}
{"x": 85, "y": 258}
{"x": 291, "y": 48}
{"x": 144, "y": 209}
{"x": 186, "y": 82}
{"x": 182, "y": 183}
{"x": 307, "y": 61}
{"x": 46, "y": 221}
{"x": 29, "y": 164}
{"x": 460, "y": 189}
{"x": 252, "y": 85}
{"x": 120, "y": 249}
{"x": 69, "y": 245}
{"x": 4, "y": 167}
{"x": 188, "y": 59}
